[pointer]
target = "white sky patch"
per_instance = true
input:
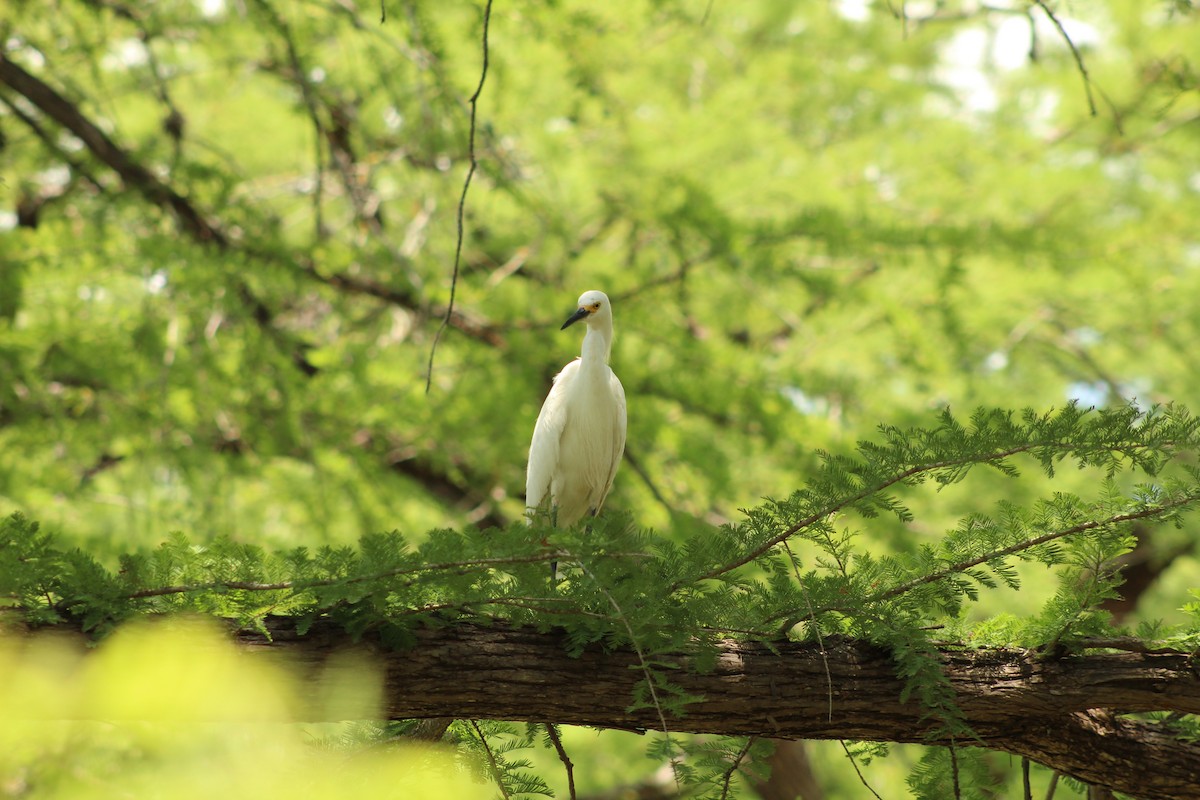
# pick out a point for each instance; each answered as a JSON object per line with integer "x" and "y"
{"x": 126, "y": 53}
{"x": 32, "y": 56}
{"x": 805, "y": 403}
{"x": 996, "y": 361}
{"x": 853, "y": 10}
{"x": 964, "y": 59}
{"x": 973, "y": 59}
{"x": 1191, "y": 254}
{"x": 56, "y": 176}
{"x": 156, "y": 282}
{"x": 1088, "y": 394}
{"x": 211, "y": 8}
{"x": 393, "y": 119}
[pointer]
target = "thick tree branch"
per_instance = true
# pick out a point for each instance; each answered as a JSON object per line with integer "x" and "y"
{"x": 1059, "y": 712}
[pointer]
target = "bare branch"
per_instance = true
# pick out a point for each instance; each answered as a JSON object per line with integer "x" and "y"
{"x": 1083, "y": 73}
{"x": 462, "y": 200}
{"x": 556, "y": 740}
{"x": 309, "y": 96}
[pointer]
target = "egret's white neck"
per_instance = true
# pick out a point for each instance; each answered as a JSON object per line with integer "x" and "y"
{"x": 597, "y": 343}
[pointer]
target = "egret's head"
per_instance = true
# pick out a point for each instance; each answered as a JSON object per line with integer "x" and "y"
{"x": 593, "y": 306}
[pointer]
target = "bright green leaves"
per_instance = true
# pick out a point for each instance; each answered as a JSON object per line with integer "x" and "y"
{"x": 801, "y": 564}
{"x": 47, "y": 583}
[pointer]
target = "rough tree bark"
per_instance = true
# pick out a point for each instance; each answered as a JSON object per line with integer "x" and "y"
{"x": 1061, "y": 712}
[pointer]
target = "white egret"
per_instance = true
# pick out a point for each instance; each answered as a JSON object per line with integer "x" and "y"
{"x": 580, "y": 433}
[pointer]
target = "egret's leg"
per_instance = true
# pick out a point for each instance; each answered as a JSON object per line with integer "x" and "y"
{"x": 554, "y": 564}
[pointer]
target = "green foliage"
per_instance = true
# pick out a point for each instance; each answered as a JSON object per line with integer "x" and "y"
{"x": 961, "y": 772}
{"x": 811, "y": 217}
{"x": 630, "y": 587}
{"x": 492, "y": 745}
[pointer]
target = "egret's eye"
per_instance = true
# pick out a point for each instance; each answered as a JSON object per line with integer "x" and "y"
{"x": 595, "y": 306}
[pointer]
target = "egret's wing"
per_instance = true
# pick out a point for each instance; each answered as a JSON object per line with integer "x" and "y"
{"x": 547, "y": 434}
{"x": 619, "y": 426}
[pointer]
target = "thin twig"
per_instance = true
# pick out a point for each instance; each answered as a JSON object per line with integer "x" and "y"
{"x": 462, "y": 200}
{"x": 962, "y": 566}
{"x": 816, "y": 628}
{"x": 308, "y": 95}
{"x": 552, "y": 732}
{"x": 854, "y": 763}
{"x": 649, "y": 676}
{"x": 727, "y": 778}
{"x": 1026, "y": 786}
{"x": 1087, "y": 81}
{"x": 256, "y": 586}
{"x": 1128, "y": 644}
{"x": 954, "y": 770}
{"x": 859, "y": 496}
{"x": 636, "y": 466}
{"x": 496, "y": 773}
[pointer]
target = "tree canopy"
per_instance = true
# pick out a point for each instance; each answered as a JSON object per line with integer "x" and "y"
{"x": 280, "y": 289}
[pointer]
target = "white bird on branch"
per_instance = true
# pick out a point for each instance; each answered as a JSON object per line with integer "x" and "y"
{"x": 580, "y": 433}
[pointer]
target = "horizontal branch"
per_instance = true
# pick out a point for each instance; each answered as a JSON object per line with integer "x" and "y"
{"x": 1059, "y": 712}
{"x": 470, "y": 565}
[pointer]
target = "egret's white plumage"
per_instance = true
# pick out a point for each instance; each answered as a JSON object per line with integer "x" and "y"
{"x": 580, "y": 433}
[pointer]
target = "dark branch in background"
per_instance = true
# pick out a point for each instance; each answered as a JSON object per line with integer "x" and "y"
{"x": 1087, "y": 81}
{"x": 137, "y": 178}
{"x": 77, "y": 167}
{"x": 1017, "y": 701}
{"x": 462, "y": 200}
{"x": 465, "y": 322}
{"x": 482, "y": 513}
{"x": 198, "y": 225}
{"x": 173, "y": 123}
{"x": 204, "y": 231}
{"x": 132, "y": 174}
{"x": 636, "y": 465}
{"x": 308, "y": 94}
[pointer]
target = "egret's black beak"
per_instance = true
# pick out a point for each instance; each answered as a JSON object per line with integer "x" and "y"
{"x": 578, "y": 315}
